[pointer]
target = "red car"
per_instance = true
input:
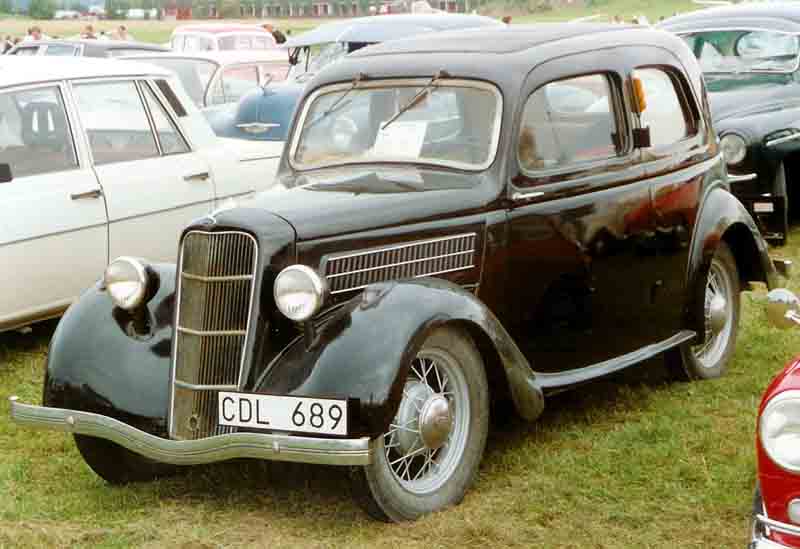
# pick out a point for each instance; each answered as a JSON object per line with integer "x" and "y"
{"x": 776, "y": 507}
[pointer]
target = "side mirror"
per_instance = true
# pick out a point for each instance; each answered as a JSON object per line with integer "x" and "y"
{"x": 5, "y": 173}
{"x": 783, "y": 308}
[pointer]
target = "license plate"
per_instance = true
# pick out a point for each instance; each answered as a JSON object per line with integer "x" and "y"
{"x": 283, "y": 413}
{"x": 763, "y": 207}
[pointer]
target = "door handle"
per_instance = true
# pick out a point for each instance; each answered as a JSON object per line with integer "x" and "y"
{"x": 202, "y": 176}
{"x": 94, "y": 193}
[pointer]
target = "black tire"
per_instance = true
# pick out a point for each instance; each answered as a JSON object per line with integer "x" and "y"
{"x": 118, "y": 465}
{"x": 378, "y": 487}
{"x": 779, "y": 189}
{"x": 689, "y": 362}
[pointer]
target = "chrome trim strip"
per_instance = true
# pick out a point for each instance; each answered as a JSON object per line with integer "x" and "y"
{"x": 744, "y": 177}
{"x": 212, "y": 332}
{"x": 57, "y": 233}
{"x": 277, "y": 447}
{"x": 401, "y": 263}
{"x": 778, "y": 141}
{"x": 401, "y": 246}
{"x": 217, "y": 278}
{"x": 778, "y": 526}
{"x": 516, "y": 195}
{"x": 195, "y": 387}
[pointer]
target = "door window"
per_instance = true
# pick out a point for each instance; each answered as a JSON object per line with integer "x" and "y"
{"x": 171, "y": 140}
{"x": 115, "y": 121}
{"x": 235, "y": 82}
{"x": 34, "y": 133}
{"x": 567, "y": 123}
{"x": 664, "y": 114}
{"x": 63, "y": 50}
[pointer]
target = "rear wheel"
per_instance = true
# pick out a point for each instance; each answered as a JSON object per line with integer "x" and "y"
{"x": 118, "y": 465}
{"x": 428, "y": 458}
{"x": 710, "y": 359}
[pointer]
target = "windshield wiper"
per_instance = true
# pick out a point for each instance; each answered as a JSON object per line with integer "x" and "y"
{"x": 336, "y": 104}
{"x": 417, "y": 98}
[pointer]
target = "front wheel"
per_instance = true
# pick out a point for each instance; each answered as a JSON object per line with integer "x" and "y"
{"x": 710, "y": 359}
{"x": 118, "y": 465}
{"x": 430, "y": 455}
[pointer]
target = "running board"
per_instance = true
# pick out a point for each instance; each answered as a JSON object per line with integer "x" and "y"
{"x": 551, "y": 383}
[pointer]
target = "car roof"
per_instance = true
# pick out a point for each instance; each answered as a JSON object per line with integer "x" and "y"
{"x": 100, "y": 44}
{"x": 219, "y": 28}
{"x": 15, "y": 71}
{"x": 220, "y": 57}
{"x": 772, "y": 15}
{"x": 387, "y": 27}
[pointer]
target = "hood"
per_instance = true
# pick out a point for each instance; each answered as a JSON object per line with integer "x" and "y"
{"x": 331, "y": 202}
{"x": 747, "y": 95}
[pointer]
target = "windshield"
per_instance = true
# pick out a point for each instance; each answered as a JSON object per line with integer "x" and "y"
{"x": 313, "y": 59}
{"x": 452, "y": 123}
{"x": 744, "y": 50}
{"x": 194, "y": 74}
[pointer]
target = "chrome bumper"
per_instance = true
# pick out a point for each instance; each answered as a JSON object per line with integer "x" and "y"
{"x": 762, "y": 525}
{"x": 354, "y": 451}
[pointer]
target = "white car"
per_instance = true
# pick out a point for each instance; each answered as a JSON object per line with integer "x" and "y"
{"x": 221, "y": 36}
{"x": 100, "y": 159}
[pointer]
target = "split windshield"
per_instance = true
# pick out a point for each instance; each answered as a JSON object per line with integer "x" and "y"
{"x": 744, "y": 50}
{"x": 447, "y": 122}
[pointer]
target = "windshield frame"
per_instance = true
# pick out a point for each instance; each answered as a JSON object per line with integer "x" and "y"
{"x": 737, "y": 28}
{"x": 418, "y": 82}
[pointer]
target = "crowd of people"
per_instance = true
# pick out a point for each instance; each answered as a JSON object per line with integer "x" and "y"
{"x": 88, "y": 33}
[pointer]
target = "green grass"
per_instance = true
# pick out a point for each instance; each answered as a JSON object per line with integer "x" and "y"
{"x": 631, "y": 462}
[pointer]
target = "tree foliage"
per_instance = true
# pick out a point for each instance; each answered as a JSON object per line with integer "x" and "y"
{"x": 42, "y": 9}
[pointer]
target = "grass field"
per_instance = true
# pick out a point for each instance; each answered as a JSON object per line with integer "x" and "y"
{"x": 159, "y": 31}
{"x": 634, "y": 461}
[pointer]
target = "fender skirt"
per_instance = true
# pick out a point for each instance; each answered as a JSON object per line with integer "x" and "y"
{"x": 365, "y": 348}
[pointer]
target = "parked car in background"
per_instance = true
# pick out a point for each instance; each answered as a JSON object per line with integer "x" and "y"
{"x": 776, "y": 505}
{"x": 313, "y": 50}
{"x": 221, "y": 77}
{"x": 221, "y": 36}
{"x": 446, "y": 237}
{"x": 263, "y": 114}
{"x": 750, "y": 56}
{"x": 101, "y": 158}
{"x": 84, "y": 48}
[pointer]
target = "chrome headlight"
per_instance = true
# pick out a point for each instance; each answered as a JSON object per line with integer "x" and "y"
{"x": 126, "y": 280}
{"x": 299, "y": 292}
{"x": 734, "y": 148}
{"x": 779, "y": 429}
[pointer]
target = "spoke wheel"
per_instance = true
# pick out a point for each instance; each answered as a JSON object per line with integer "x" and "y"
{"x": 710, "y": 358}
{"x": 430, "y": 453}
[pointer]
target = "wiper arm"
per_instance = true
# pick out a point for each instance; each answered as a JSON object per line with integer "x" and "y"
{"x": 330, "y": 110}
{"x": 416, "y": 99}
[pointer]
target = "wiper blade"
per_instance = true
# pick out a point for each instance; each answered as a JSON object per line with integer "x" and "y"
{"x": 336, "y": 104}
{"x": 417, "y": 98}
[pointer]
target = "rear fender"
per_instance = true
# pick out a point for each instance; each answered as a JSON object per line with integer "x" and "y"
{"x": 365, "y": 348}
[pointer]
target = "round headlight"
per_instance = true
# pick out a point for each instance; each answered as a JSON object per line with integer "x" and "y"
{"x": 299, "y": 292}
{"x": 734, "y": 148}
{"x": 126, "y": 280}
{"x": 779, "y": 429}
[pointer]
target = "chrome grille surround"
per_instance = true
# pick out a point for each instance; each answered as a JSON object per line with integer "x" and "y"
{"x": 214, "y": 302}
{"x": 435, "y": 256}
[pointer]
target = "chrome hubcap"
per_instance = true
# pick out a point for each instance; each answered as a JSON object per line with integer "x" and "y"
{"x": 428, "y": 436}
{"x": 718, "y": 317}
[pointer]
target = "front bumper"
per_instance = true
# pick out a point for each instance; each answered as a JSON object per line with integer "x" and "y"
{"x": 768, "y": 209}
{"x": 762, "y": 525}
{"x": 274, "y": 447}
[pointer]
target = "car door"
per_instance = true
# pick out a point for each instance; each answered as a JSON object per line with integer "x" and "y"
{"x": 580, "y": 264}
{"x": 153, "y": 181}
{"x": 674, "y": 166}
{"x": 53, "y": 233}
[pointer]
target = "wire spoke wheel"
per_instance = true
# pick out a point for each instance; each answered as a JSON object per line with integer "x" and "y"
{"x": 718, "y": 315}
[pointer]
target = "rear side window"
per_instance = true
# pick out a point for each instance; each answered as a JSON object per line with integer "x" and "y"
{"x": 115, "y": 121}
{"x": 168, "y": 135}
{"x": 568, "y": 123}
{"x": 665, "y": 114}
{"x": 34, "y": 134}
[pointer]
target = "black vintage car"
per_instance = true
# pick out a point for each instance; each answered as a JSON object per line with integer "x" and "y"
{"x": 469, "y": 218}
{"x": 750, "y": 56}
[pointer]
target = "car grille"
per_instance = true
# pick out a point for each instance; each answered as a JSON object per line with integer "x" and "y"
{"x": 353, "y": 271}
{"x": 215, "y": 298}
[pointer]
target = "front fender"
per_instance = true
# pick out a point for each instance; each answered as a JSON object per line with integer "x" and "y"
{"x": 722, "y": 218}
{"x": 101, "y": 361}
{"x": 365, "y": 348}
